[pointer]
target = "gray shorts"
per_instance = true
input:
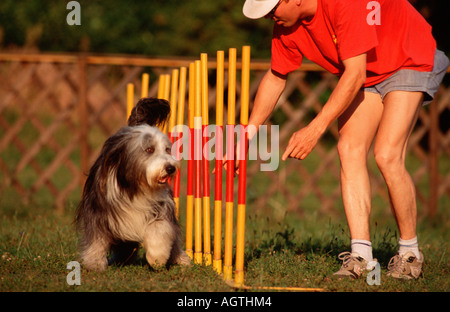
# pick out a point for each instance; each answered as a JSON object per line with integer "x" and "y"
{"x": 413, "y": 80}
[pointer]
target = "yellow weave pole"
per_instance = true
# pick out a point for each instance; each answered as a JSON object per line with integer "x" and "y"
{"x": 173, "y": 102}
{"x": 179, "y": 131}
{"x": 163, "y": 93}
{"x": 240, "y": 223}
{"x": 228, "y": 254}
{"x": 197, "y": 154}
{"x": 166, "y": 95}
{"x": 190, "y": 166}
{"x": 130, "y": 99}
{"x": 144, "y": 85}
{"x": 217, "y": 259}
{"x": 166, "y": 89}
{"x": 181, "y": 99}
{"x": 160, "y": 87}
{"x": 206, "y": 192}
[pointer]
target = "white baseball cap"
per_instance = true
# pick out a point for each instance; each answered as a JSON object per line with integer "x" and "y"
{"x": 258, "y": 8}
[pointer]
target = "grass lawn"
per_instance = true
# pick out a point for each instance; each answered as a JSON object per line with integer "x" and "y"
{"x": 282, "y": 249}
{"x": 36, "y": 245}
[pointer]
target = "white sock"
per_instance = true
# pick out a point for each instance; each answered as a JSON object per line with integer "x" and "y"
{"x": 409, "y": 245}
{"x": 363, "y": 248}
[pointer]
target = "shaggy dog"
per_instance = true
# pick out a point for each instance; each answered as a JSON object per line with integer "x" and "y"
{"x": 127, "y": 200}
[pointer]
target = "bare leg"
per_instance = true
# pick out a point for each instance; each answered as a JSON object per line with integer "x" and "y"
{"x": 357, "y": 128}
{"x": 401, "y": 110}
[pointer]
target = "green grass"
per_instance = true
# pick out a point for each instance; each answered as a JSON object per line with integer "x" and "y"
{"x": 37, "y": 244}
{"x": 282, "y": 248}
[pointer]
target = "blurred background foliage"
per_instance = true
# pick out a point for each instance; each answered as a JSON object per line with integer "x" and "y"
{"x": 154, "y": 27}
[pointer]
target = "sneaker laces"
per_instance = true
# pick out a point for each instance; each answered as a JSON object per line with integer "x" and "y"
{"x": 346, "y": 257}
{"x": 396, "y": 263}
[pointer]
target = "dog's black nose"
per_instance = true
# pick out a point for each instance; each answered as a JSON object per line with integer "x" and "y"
{"x": 170, "y": 169}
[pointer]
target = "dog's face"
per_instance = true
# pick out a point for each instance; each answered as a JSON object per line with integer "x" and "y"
{"x": 159, "y": 163}
{"x": 135, "y": 159}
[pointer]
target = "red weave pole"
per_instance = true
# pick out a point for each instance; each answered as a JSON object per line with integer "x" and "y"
{"x": 218, "y": 164}
{"x": 190, "y": 164}
{"x": 240, "y": 220}
{"x": 190, "y": 196}
{"x": 206, "y": 192}
{"x": 217, "y": 260}
{"x": 206, "y": 188}
{"x": 242, "y": 183}
{"x": 228, "y": 266}
{"x": 198, "y": 254}
{"x": 198, "y": 162}
{"x": 230, "y": 163}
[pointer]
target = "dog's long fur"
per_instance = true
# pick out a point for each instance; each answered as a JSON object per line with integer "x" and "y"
{"x": 126, "y": 198}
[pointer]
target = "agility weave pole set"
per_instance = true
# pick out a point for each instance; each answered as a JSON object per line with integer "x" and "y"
{"x": 173, "y": 88}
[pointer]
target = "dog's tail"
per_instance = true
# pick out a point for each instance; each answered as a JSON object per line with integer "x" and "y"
{"x": 151, "y": 111}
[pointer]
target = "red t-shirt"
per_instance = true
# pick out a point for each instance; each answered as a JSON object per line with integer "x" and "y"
{"x": 396, "y": 37}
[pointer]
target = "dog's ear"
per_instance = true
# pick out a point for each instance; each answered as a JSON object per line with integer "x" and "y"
{"x": 115, "y": 157}
{"x": 150, "y": 111}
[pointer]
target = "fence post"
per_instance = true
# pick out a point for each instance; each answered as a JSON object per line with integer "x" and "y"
{"x": 433, "y": 159}
{"x": 84, "y": 122}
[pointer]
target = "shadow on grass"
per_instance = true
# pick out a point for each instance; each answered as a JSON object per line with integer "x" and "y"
{"x": 135, "y": 257}
{"x": 331, "y": 243}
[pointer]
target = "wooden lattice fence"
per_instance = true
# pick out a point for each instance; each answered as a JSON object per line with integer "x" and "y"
{"x": 56, "y": 111}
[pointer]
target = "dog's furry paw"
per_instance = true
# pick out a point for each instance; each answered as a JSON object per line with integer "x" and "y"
{"x": 95, "y": 265}
{"x": 183, "y": 259}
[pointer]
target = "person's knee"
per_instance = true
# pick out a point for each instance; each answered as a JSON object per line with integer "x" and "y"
{"x": 388, "y": 161}
{"x": 351, "y": 154}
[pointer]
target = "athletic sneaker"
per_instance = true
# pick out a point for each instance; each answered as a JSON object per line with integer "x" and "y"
{"x": 406, "y": 266}
{"x": 353, "y": 265}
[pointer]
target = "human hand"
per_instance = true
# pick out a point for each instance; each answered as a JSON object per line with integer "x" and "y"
{"x": 301, "y": 143}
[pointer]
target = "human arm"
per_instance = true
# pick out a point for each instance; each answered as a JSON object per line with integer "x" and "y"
{"x": 269, "y": 91}
{"x": 304, "y": 140}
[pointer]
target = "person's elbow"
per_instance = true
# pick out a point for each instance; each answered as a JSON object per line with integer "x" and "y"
{"x": 357, "y": 75}
{"x": 273, "y": 81}
{"x": 361, "y": 75}
{"x": 277, "y": 75}
{"x": 355, "y": 69}
{"x": 360, "y": 78}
